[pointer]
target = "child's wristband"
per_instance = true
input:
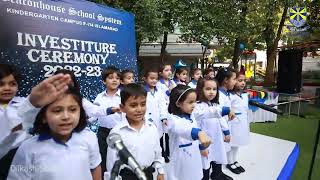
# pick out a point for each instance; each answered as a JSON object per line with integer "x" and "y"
{"x": 202, "y": 147}
{"x": 195, "y": 133}
{"x": 109, "y": 111}
{"x": 225, "y": 110}
{"x": 226, "y": 133}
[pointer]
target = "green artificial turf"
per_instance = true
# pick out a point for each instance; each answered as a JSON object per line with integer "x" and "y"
{"x": 300, "y": 130}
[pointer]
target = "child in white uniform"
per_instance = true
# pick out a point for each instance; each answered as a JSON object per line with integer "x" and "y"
{"x": 195, "y": 76}
{"x": 9, "y": 121}
{"x": 226, "y": 78}
{"x": 208, "y": 115}
{"x": 156, "y": 105}
{"x": 127, "y": 77}
{"x": 110, "y": 100}
{"x": 185, "y": 158}
{"x": 62, "y": 148}
{"x": 8, "y": 100}
{"x": 165, "y": 85}
{"x": 239, "y": 127}
{"x": 45, "y": 92}
{"x": 140, "y": 136}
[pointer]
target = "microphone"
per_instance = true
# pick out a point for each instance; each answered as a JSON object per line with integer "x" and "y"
{"x": 265, "y": 107}
{"x": 115, "y": 142}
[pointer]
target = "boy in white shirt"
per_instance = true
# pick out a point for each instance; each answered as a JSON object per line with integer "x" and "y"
{"x": 109, "y": 99}
{"x": 139, "y": 136}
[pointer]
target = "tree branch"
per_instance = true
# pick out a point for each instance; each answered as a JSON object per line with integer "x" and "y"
{"x": 280, "y": 27}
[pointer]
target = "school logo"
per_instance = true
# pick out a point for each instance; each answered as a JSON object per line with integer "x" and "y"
{"x": 298, "y": 16}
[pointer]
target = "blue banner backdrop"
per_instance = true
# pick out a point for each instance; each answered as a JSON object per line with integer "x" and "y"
{"x": 40, "y": 36}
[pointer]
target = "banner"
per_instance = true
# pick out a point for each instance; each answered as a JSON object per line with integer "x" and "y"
{"x": 39, "y": 37}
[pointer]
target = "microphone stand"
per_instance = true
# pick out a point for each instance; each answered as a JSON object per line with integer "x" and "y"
{"x": 115, "y": 170}
{"x": 265, "y": 107}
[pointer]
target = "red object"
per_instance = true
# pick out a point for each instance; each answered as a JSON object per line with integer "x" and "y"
{"x": 249, "y": 52}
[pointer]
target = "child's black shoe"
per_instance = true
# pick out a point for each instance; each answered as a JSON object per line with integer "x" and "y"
{"x": 233, "y": 168}
{"x": 240, "y": 168}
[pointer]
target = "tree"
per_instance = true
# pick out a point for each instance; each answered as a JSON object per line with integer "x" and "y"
{"x": 147, "y": 20}
{"x": 205, "y": 20}
{"x": 273, "y": 38}
{"x": 237, "y": 50}
{"x": 169, "y": 10}
{"x": 256, "y": 23}
{"x": 273, "y": 32}
{"x": 224, "y": 20}
{"x": 147, "y": 17}
{"x": 313, "y": 19}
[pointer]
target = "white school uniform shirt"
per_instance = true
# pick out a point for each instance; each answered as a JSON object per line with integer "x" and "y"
{"x": 165, "y": 89}
{"x": 93, "y": 111}
{"x": 193, "y": 84}
{"x": 13, "y": 141}
{"x": 239, "y": 127}
{"x": 156, "y": 108}
{"x": 208, "y": 117}
{"x": 185, "y": 158}
{"x": 43, "y": 157}
{"x": 116, "y": 118}
{"x": 9, "y": 119}
{"x": 225, "y": 102}
{"x": 143, "y": 144}
{"x": 28, "y": 112}
{"x": 106, "y": 101}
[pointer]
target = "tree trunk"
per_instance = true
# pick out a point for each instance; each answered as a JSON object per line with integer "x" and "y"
{"x": 139, "y": 62}
{"x": 164, "y": 46}
{"x": 204, "y": 50}
{"x": 271, "y": 59}
{"x": 237, "y": 50}
{"x": 236, "y": 53}
{"x": 272, "y": 49}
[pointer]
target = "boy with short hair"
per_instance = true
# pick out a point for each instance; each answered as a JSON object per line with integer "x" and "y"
{"x": 127, "y": 77}
{"x": 139, "y": 135}
{"x": 109, "y": 99}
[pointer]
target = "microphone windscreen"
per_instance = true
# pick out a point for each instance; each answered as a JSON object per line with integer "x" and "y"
{"x": 112, "y": 139}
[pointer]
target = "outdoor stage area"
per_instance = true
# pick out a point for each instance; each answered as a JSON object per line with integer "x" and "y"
{"x": 266, "y": 158}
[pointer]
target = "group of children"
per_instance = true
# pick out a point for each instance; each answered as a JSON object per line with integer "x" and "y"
{"x": 173, "y": 129}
